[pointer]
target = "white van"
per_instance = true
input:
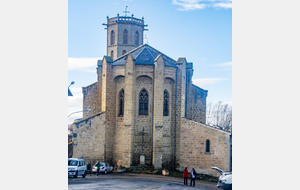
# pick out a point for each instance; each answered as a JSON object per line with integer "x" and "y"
{"x": 76, "y": 167}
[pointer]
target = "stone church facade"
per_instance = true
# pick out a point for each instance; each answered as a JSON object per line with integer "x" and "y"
{"x": 145, "y": 102}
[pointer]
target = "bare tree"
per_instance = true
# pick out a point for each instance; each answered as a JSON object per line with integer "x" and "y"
{"x": 219, "y": 115}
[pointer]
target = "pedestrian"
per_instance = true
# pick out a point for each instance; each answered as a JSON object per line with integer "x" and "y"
{"x": 98, "y": 168}
{"x": 193, "y": 177}
{"x": 88, "y": 168}
{"x": 185, "y": 176}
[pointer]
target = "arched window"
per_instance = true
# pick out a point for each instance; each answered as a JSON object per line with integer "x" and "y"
{"x": 125, "y": 37}
{"x": 143, "y": 103}
{"x": 136, "y": 38}
{"x": 123, "y": 52}
{"x": 207, "y": 146}
{"x": 112, "y": 54}
{"x": 112, "y": 38}
{"x": 121, "y": 103}
{"x": 166, "y": 103}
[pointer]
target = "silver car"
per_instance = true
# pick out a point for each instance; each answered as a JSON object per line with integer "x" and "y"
{"x": 225, "y": 180}
{"x": 104, "y": 168}
{"x": 76, "y": 167}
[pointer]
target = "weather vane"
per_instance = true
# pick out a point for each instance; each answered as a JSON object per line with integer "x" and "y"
{"x": 126, "y": 11}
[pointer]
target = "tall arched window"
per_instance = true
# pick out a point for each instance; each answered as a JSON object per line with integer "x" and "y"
{"x": 112, "y": 38}
{"x": 123, "y": 52}
{"x": 121, "y": 103}
{"x": 136, "y": 38}
{"x": 166, "y": 103}
{"x": 125, "y": 37}
{"x": 143, "y": 102}
{"x": 207, "y": 146}
{"x": 112, "y": 54}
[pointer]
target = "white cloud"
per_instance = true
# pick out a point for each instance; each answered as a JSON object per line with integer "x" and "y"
{"x": 188, "y": 5}
{"x": 75, "y": 101}
{"x": 226, "y": 64}
{"x": 207, "y": 81}
{"x": 83, "y": 64}
{"x": 223, "y": 5}
{"x": 75, "y": 104}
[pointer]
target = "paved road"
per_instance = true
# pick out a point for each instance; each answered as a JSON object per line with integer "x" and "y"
{"x": 134, "y": 181}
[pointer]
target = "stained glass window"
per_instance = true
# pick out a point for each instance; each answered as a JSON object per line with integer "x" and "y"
{"x": 166, "y": 103}
{"x": 143, "y": 102}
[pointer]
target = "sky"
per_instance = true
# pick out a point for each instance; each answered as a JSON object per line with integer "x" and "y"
{"x": 199, "y": 30}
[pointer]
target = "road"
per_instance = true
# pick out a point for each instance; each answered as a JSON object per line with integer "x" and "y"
{"x": 134, "y": 181}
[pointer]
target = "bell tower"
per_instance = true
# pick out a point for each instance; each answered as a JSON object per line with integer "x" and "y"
{"x": 124, "y": 33}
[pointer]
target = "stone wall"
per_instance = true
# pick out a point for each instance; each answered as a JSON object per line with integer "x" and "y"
{"x": 168, "y": 126}
{"x": 192, "y": 148}
{"x": 91, "y": 138}
{"x": 90, "y": 100}
{"x": 119, "y": 144}
{"x": 143, "y": 82}
{"x": 196, "y": 104}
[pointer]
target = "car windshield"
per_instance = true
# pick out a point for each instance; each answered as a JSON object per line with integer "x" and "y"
{"x": 72, "y": 162}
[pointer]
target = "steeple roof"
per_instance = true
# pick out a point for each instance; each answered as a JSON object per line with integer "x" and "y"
{"x": 145, "y": 55}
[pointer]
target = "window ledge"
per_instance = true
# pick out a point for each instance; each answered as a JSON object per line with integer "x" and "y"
{"x": 208, "y": 153}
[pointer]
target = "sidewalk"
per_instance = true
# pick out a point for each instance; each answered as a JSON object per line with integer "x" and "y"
{"x": 149, "y": 177}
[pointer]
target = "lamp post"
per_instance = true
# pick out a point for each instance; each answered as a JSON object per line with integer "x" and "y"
{"x": 80, "y": 111}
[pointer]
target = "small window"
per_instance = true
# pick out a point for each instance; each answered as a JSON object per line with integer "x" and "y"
{"x": 125, "y": 37}
{"x": 121, "y": 102}
{"x": 112, "y": 54}
{"x": 166, "y": 103}
{"x": 112, "y": 38}
{"x": 143, "y": 103}
{"x": 207, "y": 146}
{"x": 123, "y": 52}
{"x": 136, "y": 38}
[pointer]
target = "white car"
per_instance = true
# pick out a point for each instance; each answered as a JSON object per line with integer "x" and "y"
{"x": 104, "y": 168}
{"x": 76, "y": 167}
{"x": 225, "y": 180}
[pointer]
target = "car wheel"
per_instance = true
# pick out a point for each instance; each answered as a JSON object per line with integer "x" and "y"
{"x": 230, "y": 187}
{"x": 83, "y": 176}
{"x": 105, "y": 172}
{"x": 76, "y": 174}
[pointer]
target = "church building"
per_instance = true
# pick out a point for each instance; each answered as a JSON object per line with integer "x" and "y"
{"x": 144, "y": 103}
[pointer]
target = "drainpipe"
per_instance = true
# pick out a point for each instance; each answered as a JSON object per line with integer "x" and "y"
{"x": 152, "y": 113}
{"x": 175, "y": 121}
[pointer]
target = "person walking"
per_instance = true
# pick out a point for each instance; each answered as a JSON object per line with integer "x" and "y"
{"x": 98, "y": 168}
{"x": 193, "y": 177}
{"x": 185, "y": 176}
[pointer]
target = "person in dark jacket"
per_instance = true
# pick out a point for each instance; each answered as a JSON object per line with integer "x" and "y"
{"x": 193, "y": 177}
{"x": 185, "y": 176}
{"x": 98, "y": 168}
{"x": 88, "y": 168}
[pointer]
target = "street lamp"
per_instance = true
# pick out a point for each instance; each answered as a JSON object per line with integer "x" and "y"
{"x": 71, "y": 83}
{"x": 80, "y": 111}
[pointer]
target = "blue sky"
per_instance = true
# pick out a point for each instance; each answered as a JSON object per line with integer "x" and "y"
{"x": 199, "y": 30}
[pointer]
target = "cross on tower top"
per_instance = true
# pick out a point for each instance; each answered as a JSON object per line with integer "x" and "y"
{"x": 126, "y": 11}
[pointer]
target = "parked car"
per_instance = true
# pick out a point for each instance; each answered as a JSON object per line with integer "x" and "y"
{"x": 76, "y": 166}
{"x": 104, "y": 168}
{"x": 225, "y": 179}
